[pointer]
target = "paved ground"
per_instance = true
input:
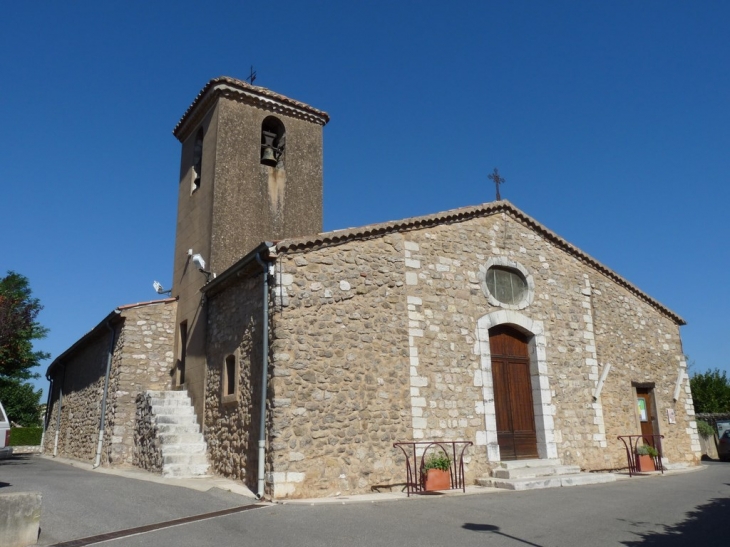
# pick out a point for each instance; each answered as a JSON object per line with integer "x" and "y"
{"x": 78, "y": 502}
{"x": 682, "y": 509}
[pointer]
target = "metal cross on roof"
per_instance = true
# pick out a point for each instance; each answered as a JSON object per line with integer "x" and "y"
{"x": 252, "y": 76}
{"x": 497, "y": 181}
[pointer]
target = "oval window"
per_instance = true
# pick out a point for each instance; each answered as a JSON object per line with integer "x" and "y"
{"x": 507, "y": 285}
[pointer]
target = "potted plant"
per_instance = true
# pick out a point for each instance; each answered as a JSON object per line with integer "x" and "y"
{"x": 645, "y": 455}
{"x": 435, "y": 472}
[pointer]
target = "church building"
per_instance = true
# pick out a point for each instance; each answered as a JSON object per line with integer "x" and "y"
{"x": 298, "y": 358}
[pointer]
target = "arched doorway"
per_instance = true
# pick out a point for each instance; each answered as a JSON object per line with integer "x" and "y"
{"x": 512, "y": 386}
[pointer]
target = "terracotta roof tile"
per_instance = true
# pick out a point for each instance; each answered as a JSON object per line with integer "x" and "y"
{"x": 147, "y": 303}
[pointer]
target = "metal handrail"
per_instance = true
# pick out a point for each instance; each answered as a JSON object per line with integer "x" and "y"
{"x": 415, "y": 475}
{"x": 633, "y": 444}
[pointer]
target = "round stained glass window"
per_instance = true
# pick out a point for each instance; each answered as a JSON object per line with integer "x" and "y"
{"x": 507, "y": 285}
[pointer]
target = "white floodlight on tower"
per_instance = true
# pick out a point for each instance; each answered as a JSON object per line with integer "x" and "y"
{"x": 159, "y": 289}
{"x": 199, "y": 262}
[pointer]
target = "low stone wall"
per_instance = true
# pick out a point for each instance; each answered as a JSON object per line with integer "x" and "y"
{"x": 709, "y": 447}
{"x": 713, "y": 417}
{"x": 147, "y": 449}
{"x": 28, "y": 449}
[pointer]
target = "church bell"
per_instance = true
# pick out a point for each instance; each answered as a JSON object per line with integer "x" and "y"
{"x": 268, "y": 155}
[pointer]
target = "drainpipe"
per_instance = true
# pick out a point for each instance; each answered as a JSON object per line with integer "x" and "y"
{"x": 264, "y": 380}
{"x": 48, "y": 409}
{"x": 102, "y": 419}
{"x": 58, "y": 418}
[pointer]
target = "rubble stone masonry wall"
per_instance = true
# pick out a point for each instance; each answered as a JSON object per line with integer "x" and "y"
{"x": 383, "y": 340}
{"x": 232, "y": 422}
{"x": 83, "y": 385}
{"x": 147, "y": 447}
{"x": 141, "y": 360}
{"x": 643, "y": 347}
{"x": 341, "y": 369}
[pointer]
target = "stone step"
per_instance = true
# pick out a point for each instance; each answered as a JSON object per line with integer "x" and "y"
{"x": 156, "y": 402}
{"x": 178, "y": 429}
{"x": 516, "y": 464}
{"x": 535, "y": 483}
{"x": 671, "y": 466}
{"x": 175, "y": 419}
{"x": 169, "y": 394}
{"x": 181, "y": 470}
{"x": 532, "y": 472}
{"x": 184, "y": 451}
{"x": 186, "y": 410}
{"x": 185, "y": 437}
{"x": 188, "y": 459}
{"x": 184, "y": 448}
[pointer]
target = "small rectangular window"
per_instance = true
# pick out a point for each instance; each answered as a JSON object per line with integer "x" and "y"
{"x": 230, "y": 375}
{"x": 182, "y": 353}
{"x": 229, "y": 380}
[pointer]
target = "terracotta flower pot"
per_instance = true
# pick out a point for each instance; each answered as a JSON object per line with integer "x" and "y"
{"x": 644, "y": 462}
{"x": 436, "y": 479}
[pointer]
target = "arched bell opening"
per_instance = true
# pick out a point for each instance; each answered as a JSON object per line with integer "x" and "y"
{"x": 273, "y": 142}
{"x": 197, "y": 160}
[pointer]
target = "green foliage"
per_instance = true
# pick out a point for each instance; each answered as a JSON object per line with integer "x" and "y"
{"x": 21, "y": 402}
{"x": 25, "y": 436}
{"x": 18, "y": 329}
{"x": 711, "y": 391}
{"x": 705, "y": 429}
{"x": 437, "y": 461}
{"x": 647, "y": 450}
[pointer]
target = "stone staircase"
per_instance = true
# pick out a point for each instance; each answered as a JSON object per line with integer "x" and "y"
{"x": 535, "y": 474}
{"x": 183, "y": 447}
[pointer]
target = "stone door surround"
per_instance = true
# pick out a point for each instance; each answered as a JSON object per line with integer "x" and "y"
{"x": 541, "y": 395}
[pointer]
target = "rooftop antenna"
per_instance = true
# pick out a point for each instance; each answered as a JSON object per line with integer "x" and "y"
{"x": 497, "y": 181}
{"x": 252, "y": 76}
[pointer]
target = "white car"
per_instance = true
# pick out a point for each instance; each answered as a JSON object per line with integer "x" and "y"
{"x": 5, "y": 449}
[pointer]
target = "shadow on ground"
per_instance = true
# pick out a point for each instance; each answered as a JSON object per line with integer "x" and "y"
{"x": 16, "y": 460}
{"x": 703, "y": 526}
{"x": 474, "y": 527}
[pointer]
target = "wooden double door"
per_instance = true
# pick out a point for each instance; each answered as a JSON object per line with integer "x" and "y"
{"x": 512, "y": 394}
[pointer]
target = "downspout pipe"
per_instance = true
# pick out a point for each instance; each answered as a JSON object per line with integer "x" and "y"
{"x": 102, "y": 418}
{"x": 58, "y": 417}
{"x": 48, "y": 409}
{"x": 264, "y": 381}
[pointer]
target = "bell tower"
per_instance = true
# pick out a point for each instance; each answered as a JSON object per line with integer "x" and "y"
{"x": 250, "y": 171}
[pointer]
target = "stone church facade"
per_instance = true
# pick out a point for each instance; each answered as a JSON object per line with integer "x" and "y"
{"x": 475, "y": 324}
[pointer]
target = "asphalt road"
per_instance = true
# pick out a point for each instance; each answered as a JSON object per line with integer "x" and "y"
{"x": 684, "y": 509}
{"x": 78, "y": 503}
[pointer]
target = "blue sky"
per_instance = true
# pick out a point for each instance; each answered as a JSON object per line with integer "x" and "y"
{"x": 609, "y": 120}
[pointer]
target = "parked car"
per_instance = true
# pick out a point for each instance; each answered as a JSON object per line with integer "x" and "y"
{"x": 723, "y": 447}
{"x": 5, "y": 449}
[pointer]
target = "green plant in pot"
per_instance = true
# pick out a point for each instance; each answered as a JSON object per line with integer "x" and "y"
{"x": 435, "y": 472}
{"x": 645, "y": 455}
{"x": 647, "y": 450}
